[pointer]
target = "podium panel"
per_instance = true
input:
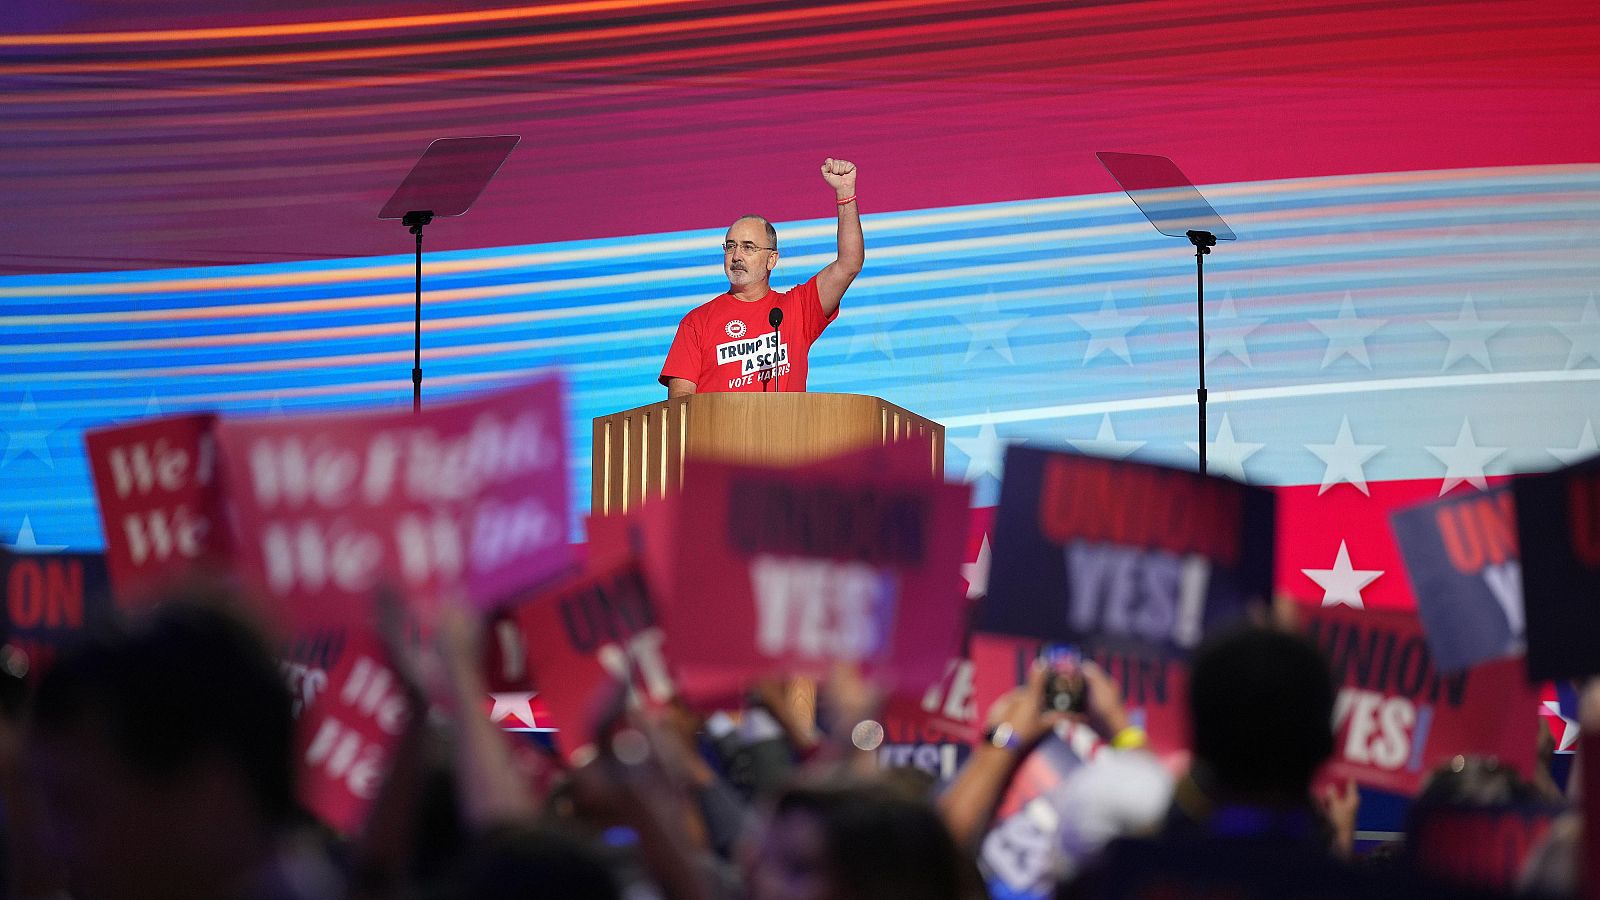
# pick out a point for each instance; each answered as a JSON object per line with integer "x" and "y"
{"x": 639, "y": 453}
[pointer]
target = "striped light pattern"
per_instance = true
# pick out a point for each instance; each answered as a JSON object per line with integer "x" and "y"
{"x": 191, "y": 192}
{"x": 185, "y": 133}
{"x": 988, "y": 317}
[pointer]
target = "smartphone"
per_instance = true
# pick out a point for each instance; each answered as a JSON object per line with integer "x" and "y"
{"x": 1065, "y": 689}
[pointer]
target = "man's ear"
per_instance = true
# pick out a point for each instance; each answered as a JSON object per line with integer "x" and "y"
{"x": 772, "y": 261}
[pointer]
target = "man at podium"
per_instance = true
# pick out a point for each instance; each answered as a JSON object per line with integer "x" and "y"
{"x": 753, "y": 338}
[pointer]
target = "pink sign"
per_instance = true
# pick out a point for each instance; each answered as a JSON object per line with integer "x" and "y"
{"x": 464, "y": 499}
{"x": 791, "y": 570}
{"x": 156, "y": 482}
{"x": 346, "y": 736}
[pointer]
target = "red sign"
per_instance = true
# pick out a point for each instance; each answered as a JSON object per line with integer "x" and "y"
{"x": 346, "y": 736}
{"x": 791, "y": 570}
{"x": 1397, "y": 716}
{"x": 50, "y": 599}
{"x": 946, "y": 711}
{"x": 1477, "y": 846}
{"x": 156, "y": 481}
{"x": 933, "y": 729}
{"x": 464, "y": 498}
{"x": 595, "y": 634}
{"x": 1155, "y": 689}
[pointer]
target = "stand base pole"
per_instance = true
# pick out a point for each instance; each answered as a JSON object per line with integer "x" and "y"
{"x": 1203, "y": 241}
{"x": 415, "y": 220}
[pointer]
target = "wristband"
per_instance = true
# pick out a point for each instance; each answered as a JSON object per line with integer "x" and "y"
{"x": 1002, "y": 737}
{"x": 849, "y": 199}
{"x": 1130, "y": 738}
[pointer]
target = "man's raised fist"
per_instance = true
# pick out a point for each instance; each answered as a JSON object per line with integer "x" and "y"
{"x": 840, "y": 175}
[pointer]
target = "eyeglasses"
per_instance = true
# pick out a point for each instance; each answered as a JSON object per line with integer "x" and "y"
{"x": 743, "y": 246}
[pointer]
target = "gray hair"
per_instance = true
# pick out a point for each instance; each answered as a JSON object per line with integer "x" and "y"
{"x": 772, "y": 233}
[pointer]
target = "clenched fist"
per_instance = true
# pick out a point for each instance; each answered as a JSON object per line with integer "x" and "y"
{"x": 840, "y": 174}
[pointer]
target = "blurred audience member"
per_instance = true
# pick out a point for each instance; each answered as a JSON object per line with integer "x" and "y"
{"x": 512, "y": 862}
{"x": 1261, "y": 720}
{"x": 848, "y": 838}
{"x": 163, "y": 751}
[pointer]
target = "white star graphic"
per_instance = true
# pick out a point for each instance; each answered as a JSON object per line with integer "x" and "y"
{"x": 987, "y": 330}
{"x": 1569, "y": 727}
{"x": 33, "y": 438}
{"x": 1347, "y": 335}
{"x": 1585, "y": 449}
{"x": 1342, "y": 584}
{"x": 1584, "y": 335}
{"x": 1343, "y": 459}
{"x": 1469, "y": 336}
{"x": 1226, "y": 331}
{"x": 1105, "y": 442}
{"x": 1465, "y": 460}
{"x": 977, "y": 573}
{"x": 27, "y": 543}
{"x": 866, "y": 339}
{"x": 985, "y": 453}
{"x": 152, "y": 410}
{"x": 1226, "y": 456}
{"x": 1108, "y": 331}
{"x": 518, "y": 704}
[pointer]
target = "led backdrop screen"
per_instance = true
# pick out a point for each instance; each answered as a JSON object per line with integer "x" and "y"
{"x": 190, "y": 197}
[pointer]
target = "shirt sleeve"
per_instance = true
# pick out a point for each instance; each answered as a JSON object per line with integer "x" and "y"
{"x": 684, "y": 357}
{"x": 810, "y": 303}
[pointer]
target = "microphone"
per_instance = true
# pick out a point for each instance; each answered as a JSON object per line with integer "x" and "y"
{"x": 775, "y": 318}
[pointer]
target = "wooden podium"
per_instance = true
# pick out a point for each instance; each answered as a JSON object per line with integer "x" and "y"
{"x": 639, "y": 453}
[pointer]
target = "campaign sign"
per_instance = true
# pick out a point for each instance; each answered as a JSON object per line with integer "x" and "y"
{"x": 468, "y": 497}
{"x": 932, "y": 730}
{"x": 1398, "y": 716}
{"x": 1139, "y": 558}
{"x": 791, "y": 570}
{"x": 50, "y": 598}
{"x": 1154, "y": 688}
{"x": 1461, "y": 557}
{"x": 596, "y": 633}
{"x": 306, "y": 659}
{"x": 156, "y": 482}
{"x": 345, "y": 738}
{"x": 1021, "y": 853}
{"x": 1477, "y": 846}
{"x": 1558, "y": 517}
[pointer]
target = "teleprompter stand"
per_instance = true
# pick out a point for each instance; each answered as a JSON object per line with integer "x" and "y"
{"x": 445, "y": 181}
{"x": 1173, "y": 205}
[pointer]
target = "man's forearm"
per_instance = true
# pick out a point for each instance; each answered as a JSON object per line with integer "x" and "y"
{"x": 835, "y": 277}
{"x": 852, "y": 246}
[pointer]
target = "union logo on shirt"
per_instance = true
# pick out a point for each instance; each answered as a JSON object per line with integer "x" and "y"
{"x": 734, "y": 328}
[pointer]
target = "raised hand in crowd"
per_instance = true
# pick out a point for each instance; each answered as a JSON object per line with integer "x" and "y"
{"x": 490, "y": 786}
{"x": 1015, "y": 724}
{"x": 1339, "y": 804}
{"x": 384, "y": 853}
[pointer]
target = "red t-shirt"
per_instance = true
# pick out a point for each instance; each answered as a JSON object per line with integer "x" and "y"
{"x": 728, "y": 345}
